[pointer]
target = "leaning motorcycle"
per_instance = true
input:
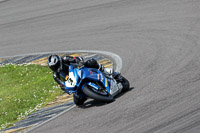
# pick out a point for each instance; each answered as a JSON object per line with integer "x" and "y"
{"x": 86, "y": 83}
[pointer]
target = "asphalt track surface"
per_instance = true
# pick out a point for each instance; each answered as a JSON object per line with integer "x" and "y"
{"x": 158, "y": 41}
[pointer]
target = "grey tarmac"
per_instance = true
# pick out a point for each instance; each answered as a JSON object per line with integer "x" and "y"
{"x": 158, "y": 41}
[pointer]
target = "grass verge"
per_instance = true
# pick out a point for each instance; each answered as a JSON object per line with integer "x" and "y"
{"x": 23, "y": 90}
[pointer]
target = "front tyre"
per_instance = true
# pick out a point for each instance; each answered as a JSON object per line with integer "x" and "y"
{"x": 94, "y": 95}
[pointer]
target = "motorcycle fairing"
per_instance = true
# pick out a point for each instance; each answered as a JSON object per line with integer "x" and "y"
{"x": 77, "y": 80}
{"x": 71, "y": 80}
{"x": 94, "y": 75}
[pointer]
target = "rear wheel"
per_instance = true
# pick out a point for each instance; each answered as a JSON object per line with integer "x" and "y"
{"x": 125, "y": 84}
{"x": 79, "y": 100}
{"x": 124, "y": 81}
{"x": 87, "y": 90}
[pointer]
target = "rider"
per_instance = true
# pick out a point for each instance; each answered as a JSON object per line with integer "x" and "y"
{"x": 60, "y": 67}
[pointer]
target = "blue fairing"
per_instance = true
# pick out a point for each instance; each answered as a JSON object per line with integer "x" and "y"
{"x": 94, "y": 75}
{"x": 73, "y": 74}
{"x": 77, "y": 78}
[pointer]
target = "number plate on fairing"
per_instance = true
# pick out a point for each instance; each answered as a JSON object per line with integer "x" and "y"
{"x": 71, "y": 81}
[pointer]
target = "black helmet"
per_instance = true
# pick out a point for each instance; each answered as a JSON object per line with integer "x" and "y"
{"x": 55, "y": 63}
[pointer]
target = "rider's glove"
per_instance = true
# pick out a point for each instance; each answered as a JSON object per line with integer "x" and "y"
{"x": 62, "y": 87}
{"x": 80, "y": 61}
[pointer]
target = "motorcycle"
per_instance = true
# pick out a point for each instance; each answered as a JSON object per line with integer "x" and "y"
{"x": 86, "y": 83}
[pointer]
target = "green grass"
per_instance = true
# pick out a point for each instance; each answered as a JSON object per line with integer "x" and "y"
{"x": 23, "y": 90}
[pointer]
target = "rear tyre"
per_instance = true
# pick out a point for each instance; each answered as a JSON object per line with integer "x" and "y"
{"x": 125, "y": 84}
{"x": 79, "y": 100}
{"x": 90, "y": 93}
{"x": 124, "y": 81}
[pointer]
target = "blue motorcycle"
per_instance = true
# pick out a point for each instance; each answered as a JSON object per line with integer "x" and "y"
{"x": 86, "y": 83}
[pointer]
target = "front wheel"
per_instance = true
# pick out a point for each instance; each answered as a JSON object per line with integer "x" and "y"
{"x": 87, "y": 90}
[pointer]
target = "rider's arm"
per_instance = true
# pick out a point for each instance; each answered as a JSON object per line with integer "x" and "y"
{"x": 58, "y": 80}
{"x": 70, "y": 59}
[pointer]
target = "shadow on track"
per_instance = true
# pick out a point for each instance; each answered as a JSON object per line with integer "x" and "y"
{"x": 94, "y": 103}
{"x": 124, "y": 92}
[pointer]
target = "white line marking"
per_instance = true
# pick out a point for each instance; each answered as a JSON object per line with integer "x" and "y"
{"x": 50, "y": 119}
{"x": 115, "y": 57}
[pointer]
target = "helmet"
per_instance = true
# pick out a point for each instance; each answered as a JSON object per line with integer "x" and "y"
{"x": 55, "y": 63}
